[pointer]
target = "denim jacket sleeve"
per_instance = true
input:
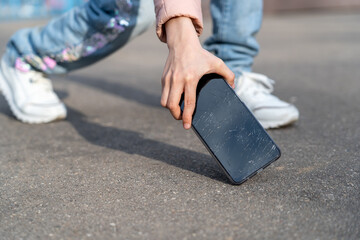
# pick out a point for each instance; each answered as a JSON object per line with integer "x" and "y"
{"x": 167, "y": 9}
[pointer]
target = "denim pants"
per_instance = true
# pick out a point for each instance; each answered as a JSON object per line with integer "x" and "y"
{"x": 88, "y": 33}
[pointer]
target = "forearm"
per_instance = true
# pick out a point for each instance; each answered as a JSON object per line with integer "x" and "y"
{"x": 169, "y": 9}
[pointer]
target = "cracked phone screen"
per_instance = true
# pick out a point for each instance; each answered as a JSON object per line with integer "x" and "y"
{"x": 229, "y": 130}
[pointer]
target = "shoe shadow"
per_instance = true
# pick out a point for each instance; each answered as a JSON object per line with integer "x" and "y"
{"x": 4, "y": 108}
{"x": 118, "y": 89}
{"x": 134, "y": 143}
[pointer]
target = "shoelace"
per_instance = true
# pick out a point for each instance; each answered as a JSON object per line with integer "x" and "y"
{"x": 40, "y": 80}
{"x": 261, "y": 83}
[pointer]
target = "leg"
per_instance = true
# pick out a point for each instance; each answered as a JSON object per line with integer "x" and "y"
{"x": 235, "y": 24}
{"x": 80, "y": 37}
{"x": 77, "y": 39}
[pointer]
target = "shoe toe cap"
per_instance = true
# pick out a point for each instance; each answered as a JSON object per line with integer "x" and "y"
{"x": 277, "y": 116}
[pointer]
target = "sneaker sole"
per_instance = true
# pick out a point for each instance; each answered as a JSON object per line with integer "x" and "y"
{"x": 26, "y": 118}
{"x": 278, "y": 124}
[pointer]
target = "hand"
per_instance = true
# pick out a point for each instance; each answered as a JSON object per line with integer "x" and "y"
{"x": 187, "y": 62}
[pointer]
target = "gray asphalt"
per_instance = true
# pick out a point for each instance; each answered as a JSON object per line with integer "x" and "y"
{"x": 121, "y": 168}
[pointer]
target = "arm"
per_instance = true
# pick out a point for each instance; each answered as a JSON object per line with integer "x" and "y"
{"x": 187, "y": 62}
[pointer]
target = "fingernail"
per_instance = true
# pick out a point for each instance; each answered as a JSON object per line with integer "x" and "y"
{"x": 187, "y": 125}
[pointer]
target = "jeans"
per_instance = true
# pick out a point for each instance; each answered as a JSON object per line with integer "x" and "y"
{"x": 88, "y": 33}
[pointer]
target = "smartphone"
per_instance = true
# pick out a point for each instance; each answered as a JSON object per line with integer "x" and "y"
{"x": 230, "y": 132}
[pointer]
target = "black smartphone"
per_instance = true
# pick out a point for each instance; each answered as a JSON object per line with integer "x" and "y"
{"x": 229, "y": 130}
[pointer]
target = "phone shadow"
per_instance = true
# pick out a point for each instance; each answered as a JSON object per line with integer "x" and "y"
{"x": 132, "y": 142}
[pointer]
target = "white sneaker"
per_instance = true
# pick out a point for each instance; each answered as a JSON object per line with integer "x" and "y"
{"x": 30, "y": 95}
{"x": 255, "y": 91}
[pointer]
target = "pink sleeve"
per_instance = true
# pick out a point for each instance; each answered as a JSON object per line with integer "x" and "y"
{"x": 167, "y": 9}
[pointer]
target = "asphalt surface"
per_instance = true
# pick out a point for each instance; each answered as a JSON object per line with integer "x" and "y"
{"x": 121, "y": 168}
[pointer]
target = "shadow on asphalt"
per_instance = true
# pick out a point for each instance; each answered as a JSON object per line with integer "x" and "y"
{"x": 118, "y": 89}
{"x": 134, "y": 143}
{"x": 4, "y": 108}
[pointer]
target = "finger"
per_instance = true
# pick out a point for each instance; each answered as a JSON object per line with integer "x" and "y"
{"x": 189, "y": 105}
{"x": 224, "y": 71}
{"x": 174, "y": 99}
{"x": 165, "y": 90}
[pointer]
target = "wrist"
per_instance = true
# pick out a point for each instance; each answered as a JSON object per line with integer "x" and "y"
{"x": 180, "y": 30}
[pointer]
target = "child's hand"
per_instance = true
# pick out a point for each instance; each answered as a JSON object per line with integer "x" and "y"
{"x": 187, "y": 62}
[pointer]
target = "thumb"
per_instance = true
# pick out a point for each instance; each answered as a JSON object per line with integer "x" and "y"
{"x": 224, "y": 71}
